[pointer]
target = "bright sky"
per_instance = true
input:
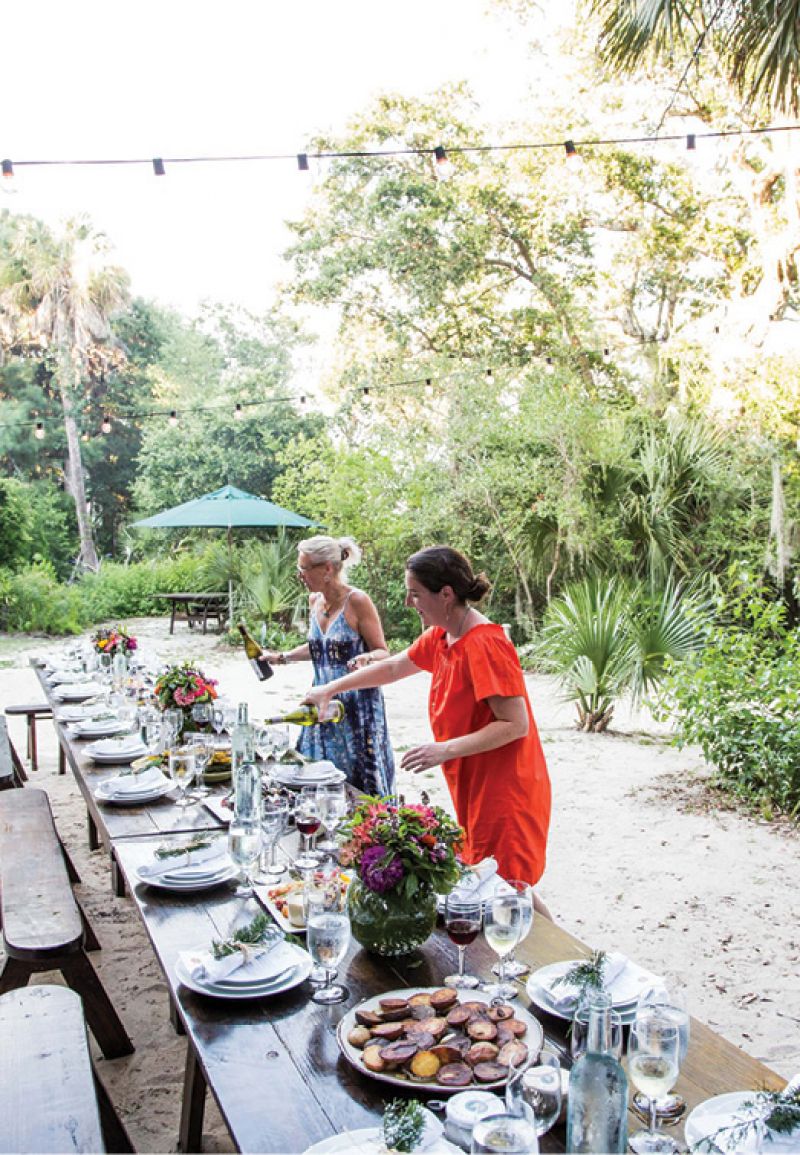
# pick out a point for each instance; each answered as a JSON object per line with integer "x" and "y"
{"x": 113, "y": 79}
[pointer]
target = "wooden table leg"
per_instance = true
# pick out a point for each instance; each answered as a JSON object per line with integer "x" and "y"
{"x": 175, "y": 1018}
{"x": 105, "y": 1023}
{"x": 172, "y": 618}
{"x": 94, "y": 841}
{"x": 117, "y": 877}
{"x": 193, "y": 1106}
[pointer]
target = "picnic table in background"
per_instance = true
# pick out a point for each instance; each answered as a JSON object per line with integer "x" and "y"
{"x": 197, "y": 609}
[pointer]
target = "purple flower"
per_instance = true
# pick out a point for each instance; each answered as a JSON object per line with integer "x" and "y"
{"x": 376, "y": 873}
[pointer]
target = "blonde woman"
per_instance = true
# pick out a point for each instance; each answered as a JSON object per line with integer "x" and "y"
{"x": 345, "y": 633}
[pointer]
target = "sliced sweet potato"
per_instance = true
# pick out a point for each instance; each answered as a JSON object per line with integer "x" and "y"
{"x": 482, "y": 1030}
{"x": 443, "y": 999}
{"x": 481, "y": 1053}
{"x": 459, "y": 1016}
{"x": 490, "y": 1072}
{"x": 446, "y": 1053}
{"x": 436, "y": 1027}
{"x": 504, "y": 1035}
{"x": 372, "y": 1060}
{"x": 425, "y": 1065}
{"x": 476, "y": 1008}
{"x": 517, "y": 1027}
{"x": 498, "y": 1014}
{"x": 419, "y": 1026}
{"x": 398, "y": 1054}
{"x": 367, "y": 1018}
{"x": 455, "y": 1075}
{"x": 422, "y": 999}
{"x": 359, "y": 1036}
{"x": 422, "y": 1011}
{"x": 512, "y": 1054}
{"x": 393, "y": 1009}
{"x": 387, "y": 1032}
{"x": 423, "y": 1040}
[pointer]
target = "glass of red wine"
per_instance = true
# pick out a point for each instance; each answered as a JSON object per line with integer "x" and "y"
{"x": 462, "y": 921}
{"x": 307, "y": 820}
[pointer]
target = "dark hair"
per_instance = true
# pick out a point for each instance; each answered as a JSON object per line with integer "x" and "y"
{"x": 439, "y": 566}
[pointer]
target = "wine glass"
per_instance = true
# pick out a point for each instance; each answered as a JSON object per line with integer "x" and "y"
{"x": 331, "y": 807}
{"x": 327, "y": 938}
{"x": 244, "y": 847}
{"x": 579, "y": 1032}
{"x": 182, "y": 769}
{"x": 322, "y": 888}
{"x": 514, "y": 968}
{"x": 218, "y": 719}
{"x": 274, "y": 814}
{"x": 541, "y": 1091}
{"x": 503, "y": 1132}
{"x": 150, "y": 729}
{"x": 502, "y": 923}
{"x": 671, "y": 1001}
{"x": 173, "y": 721}
{"x": 201, "y": 714}
{"x": 230, "y": 715}
{"x": 653, "y": 1064}
{"x": 201, "y": 744}
{"x": 307, "y": 821}
{"x": 462, "y": 921}
{"x": 279, "y": 739}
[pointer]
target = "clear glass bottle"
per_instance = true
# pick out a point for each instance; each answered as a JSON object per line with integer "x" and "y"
{"x": 242, "y": 742}
{"x": 247, "y": 793}
{"x": 597, "y": 1109}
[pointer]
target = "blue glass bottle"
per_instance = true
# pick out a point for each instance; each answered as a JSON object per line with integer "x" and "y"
{"x": 597, "y": 1109}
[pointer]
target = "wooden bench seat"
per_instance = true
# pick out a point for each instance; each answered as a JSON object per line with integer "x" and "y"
{"x": 51, "y": 1099}
{"x": 43, "y": 928}
{"x": 31, "y": 713}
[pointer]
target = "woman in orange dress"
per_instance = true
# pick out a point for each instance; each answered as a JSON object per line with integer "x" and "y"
{"x": 485, "y": 737}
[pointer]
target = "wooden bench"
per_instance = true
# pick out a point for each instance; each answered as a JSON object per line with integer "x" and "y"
{"x": 51, "y": 1099}
{"x": 12, "y": 772}
{"x": 197, "y": 609}
{"x": 31, "y": 713}
{"x": 43, "y": 927}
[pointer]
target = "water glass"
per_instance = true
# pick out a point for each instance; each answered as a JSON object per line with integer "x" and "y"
{"x": 504, "y": 1133}
{"x": 280, "y": 739}
{"x": 462, "y": 921}
{"x": 244, "y": 847}
{"x": 541, "y": 1091}
{"x": 332, "y": 808}
{"x": 182, "y": 769}
{"x": 502, "y": 925}
{"x": 218, "y": 719}
{"x": 203, "y": 749}
{"x": 274, "y": 816}
{"x": 173, "y": 722}
{"x": 327, "y": 939}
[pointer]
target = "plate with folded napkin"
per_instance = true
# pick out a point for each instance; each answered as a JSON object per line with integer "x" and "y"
{"x": 69, "y": 674}
{"x": 269, "y": 970}
{"x": 369, "y": 1140}
{"x": 104, "y": 725}
{"x": 735, "y": 1123}
{"x": 81, "y": 712}
{"x": 76, "y": 691}
{"x": 482, "y": 882}
{"x": 109, "y": 751}
{"x": 130, "y": 789}
{"x": 197, "y": 865}
{"x": 623, "y": 980}
{"x": 307, "y": 774}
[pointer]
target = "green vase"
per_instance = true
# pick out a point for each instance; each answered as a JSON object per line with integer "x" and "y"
{"x": 390, "y": 924}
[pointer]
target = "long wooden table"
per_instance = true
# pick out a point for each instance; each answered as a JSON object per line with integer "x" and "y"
{"x": 274, "y": 1065}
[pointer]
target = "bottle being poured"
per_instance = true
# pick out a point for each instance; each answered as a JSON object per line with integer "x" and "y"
{"x": 261, "y": 666}
{"x": 308, "y": 715}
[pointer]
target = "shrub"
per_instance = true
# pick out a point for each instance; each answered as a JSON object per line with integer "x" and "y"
{"x": 737, "y": 700}
{"x": 34, "y": 602}
{"x": 122, "y": 591}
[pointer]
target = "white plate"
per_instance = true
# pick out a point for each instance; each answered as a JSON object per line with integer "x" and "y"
{"x": 283, "y": 922}
{"x": 174, "y": 882}
{"x": 534, "y": 1038}
{"x": 102, "y": 728}
{"x": 369, "y": 1140}
{"x": 114, "y": 750}
{"x": 722, "y": 1110}
{"x": 77, "y": 691}
{"x": 289, "y": 776}
{"x": 104, "y": 795}
{"x": 540, "y": 982}
{"x": 247, "y": 991}
{"x": 79, "y": 713}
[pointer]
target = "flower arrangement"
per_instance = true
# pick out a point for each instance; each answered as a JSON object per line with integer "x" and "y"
{"x": 114, "y": 641}
{"x": 398, "y": 848}
{"x": 184, "y": 686}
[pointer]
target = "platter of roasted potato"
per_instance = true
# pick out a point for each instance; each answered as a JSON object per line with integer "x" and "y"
{"x": 437, "y": 1038}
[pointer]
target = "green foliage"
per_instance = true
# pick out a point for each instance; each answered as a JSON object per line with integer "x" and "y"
{"x": 737, "y": 699}
{"x": 15, "y": 523}
{"x": 120, "y": 591}
{"x": 33, "y": 601}
{"x": 269, "y": 586}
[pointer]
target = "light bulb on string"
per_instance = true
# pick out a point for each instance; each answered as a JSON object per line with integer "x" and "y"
{"x": 38, "y": 432}
{"x": 238, "y": 413}
{"x": 574, "y": 158}
{"x": 428, "y": 387}
{"x": 158, "y": 166}
{"x": 549, "y": 365}
{"x": 691, "y": 142}
{"x": 442, "y": 165}
{"x": 9, "y": 183}
{"x": 606, "y": 356}
{"x": 172, "y": 420}
{"x": 105, "y": 426}
{"x": 489, "y": 375}
{"x": 302, "y": 162}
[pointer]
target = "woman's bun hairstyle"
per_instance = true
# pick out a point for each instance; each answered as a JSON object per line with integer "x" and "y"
{"x": 439, "y": 566}
{"x": 341, "y": 552}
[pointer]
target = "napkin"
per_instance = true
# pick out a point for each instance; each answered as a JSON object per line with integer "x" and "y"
{"x": 67, "y": 689}
{"x": 255, "y": 963}
{"x": 148, "y": 780}
{"x": 95, "y": 727}
{"x": 127, "y": 744}
{"x": 68, "y": 675}
{"x": 620, "y": 976}
{"x": 205, "y": 854}
{"x": 313, "y": 770}
{"x": 482, "y": 882}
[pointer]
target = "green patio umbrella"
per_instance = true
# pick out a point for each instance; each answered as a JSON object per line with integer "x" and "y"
{"x": 228, "y": 508}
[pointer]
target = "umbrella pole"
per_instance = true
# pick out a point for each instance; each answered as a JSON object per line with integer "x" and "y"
{"x": 230, "y": 580}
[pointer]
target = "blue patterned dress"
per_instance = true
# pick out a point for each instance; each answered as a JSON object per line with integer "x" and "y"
{"x": 359, "y": 744}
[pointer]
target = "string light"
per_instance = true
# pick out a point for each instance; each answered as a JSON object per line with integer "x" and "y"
{"x": 302, "y": 161}
{"x": 489, "y": 375}
{"x": 158, "y": 166}
{"x": 173, "y": 418}
{"x": 442, "y": 166}
{"x": 38, "y": 432}
{"x": 238, "y": 413}
{"x": 606, "y": 356}
{"x": 9, "y": 185}
{"x": 574, "y": 159}
{"x": 549, "y": 365}
{"x": 365, "y": 391}
{"x": 105, "y": 426}
{"x": 691, "y": 142}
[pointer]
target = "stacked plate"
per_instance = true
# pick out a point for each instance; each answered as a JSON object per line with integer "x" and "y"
{"x": 76, "y": 691}
{"x": 547, "y": 994}
{"x": 271, "y": 974}
{"x": 81, "y": 713}
{"x": 121, "y": 791}
{"x": 103, "y": 727}
{"x": 68, "y": 674}
{"x": 116, "y": 751}
{"x": 309, "y": 774}
{"x": 202, "y": 876}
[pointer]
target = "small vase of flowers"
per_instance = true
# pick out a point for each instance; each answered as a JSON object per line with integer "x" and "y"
{"x": 404, "y": 855}
{"x": 181, "y": 687}
{"x": 114, "y": 641}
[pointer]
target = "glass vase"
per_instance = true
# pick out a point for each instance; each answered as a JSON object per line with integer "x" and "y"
{"x": 390, "y": 924}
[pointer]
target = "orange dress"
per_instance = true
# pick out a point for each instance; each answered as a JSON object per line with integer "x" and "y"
{"x": 501, "y": 797}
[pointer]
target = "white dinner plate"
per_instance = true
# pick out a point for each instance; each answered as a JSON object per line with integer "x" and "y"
{"x": 98, "y": 728}
{"x": 534, "y": 1038}
{"x": 297, "y": 776}
{"x": 286, "y": 982}
{"x": 722, "y": 1111}
{"x": 80, "y": 713}
{"x": 77, "y": 691}
{"x": 177, "y": 882}
{"x": 103, "y": 794}
{"x": 369, "y": 1140}
{"x": 115, "y": 750}
{"x": 540, "y": 982}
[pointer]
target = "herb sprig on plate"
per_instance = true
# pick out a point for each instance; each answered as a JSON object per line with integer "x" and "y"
{"x": 587, "y": 974}
{"x": 778, "y": 1110}
{"x": 403, "y": 1124}
{"x": 262, "y": 931}
{"x": 199, "y": 842}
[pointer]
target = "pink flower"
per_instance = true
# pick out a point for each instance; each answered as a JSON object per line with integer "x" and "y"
{"x": 182, "y": 698}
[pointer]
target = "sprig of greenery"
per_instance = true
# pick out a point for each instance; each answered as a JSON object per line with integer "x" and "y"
{"x": 199, "y": 842}
{"x": 586, "y": 974}
{"x": 779, "y": 1110}
{"x": 403, "y": 1124}
{"x": 261, "y": 931}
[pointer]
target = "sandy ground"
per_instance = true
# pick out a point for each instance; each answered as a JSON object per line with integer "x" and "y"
{"x": 642, "y": 859}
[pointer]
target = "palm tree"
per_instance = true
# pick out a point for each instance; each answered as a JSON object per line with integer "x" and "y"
{"x": 755, "y": 41}
{"x": 58, "y": 295}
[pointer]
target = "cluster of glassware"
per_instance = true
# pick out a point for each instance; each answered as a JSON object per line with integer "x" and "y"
{"x": 506, "y": 920}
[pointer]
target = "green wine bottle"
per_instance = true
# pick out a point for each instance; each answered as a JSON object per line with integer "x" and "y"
{"x": 308, "y": 715}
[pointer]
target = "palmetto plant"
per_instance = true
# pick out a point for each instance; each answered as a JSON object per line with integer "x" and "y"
{"x": 605, "y": 637}
{"x": 269, "y": 586}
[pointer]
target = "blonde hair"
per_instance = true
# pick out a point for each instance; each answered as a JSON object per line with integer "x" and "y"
{"x": 341, "y": 552}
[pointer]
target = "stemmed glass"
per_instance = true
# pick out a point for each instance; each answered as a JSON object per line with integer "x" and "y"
{"x": 173, "y": 721}
{"x": 182, "y": 770}
{"x": 671, "y": 1002}
{"x": 201, "y": 714}
{"x": 307, "y": 821}
{"x": 653, "y": 1064}
{"x": 201, "y": 744}
{"x": 541, "y": 1091}
{"x": 274, "y": 815}
{"x": 327, "y": 938}
{"x": 462, "y": 921}
{"x": 504, "y": 1132}
{"x": 150, "y": 729}
{"x": 514, "y": 968}
{"x": 218, "y": 719}
{"x": 502, "y": 923}
{"x": 331, "y": 807}
{"x": 279, "y": 740}
{"x": 579, "y": 1032}
{"x": 244, "y": 847}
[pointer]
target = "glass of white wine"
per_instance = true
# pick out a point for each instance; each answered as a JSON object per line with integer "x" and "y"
{"x": 502, "y": 925}
{"x": 653, "y": 1065}
{"x": 671, "y": 1001}
{"x": 244, "y": 847}
{"x": 182, "y": 769}
{"x": 514, "y": 968}
{"x": 504, "y": 1133}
